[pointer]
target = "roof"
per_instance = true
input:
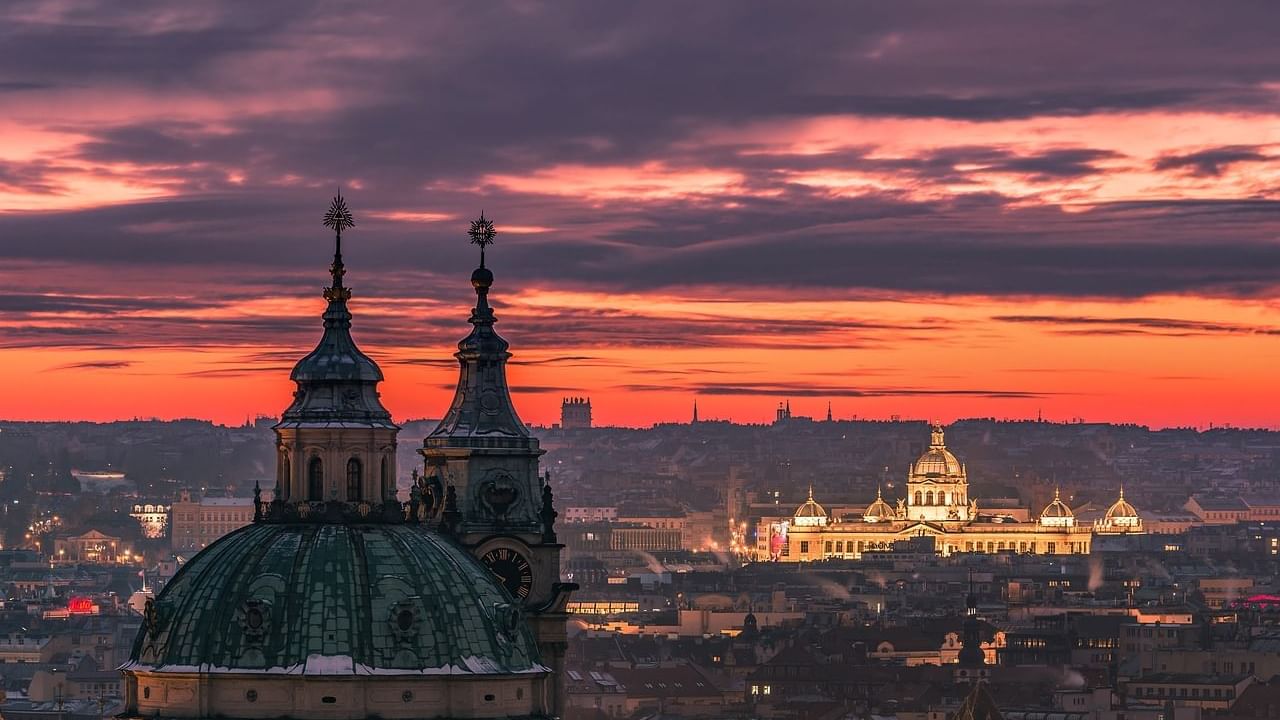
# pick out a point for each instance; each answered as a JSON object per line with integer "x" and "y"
{"x": 482, "y": 409}
{"x": 978, "y": 705}
{"x": 937, "y": 461}
{"x": 336, "y": 381}
{"x": 1057, "y": 508}
{"x": 1259, "y": 700}
{"x": 879, "y": 510}
{"x": 810, "y": 508}
{"x": 324, "y": 599}
{"x": 228, "y": 502}
{"x": 1221, "y": 503}
{"x": 1121, "y": 509}
{"x": 675, "y": 681}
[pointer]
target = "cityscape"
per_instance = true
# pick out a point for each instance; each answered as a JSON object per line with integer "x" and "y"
{"x": 857, "y": 362}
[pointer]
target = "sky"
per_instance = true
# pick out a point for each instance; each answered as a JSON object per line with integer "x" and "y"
{"x": 926, "y": 210}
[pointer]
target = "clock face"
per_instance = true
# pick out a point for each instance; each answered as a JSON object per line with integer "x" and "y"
{"x": 512, "y": 569}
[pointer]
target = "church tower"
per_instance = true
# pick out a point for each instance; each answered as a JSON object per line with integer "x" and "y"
{"x": 338, "y": 602}
{"x": 336, "y": 442}
{"x": 482, "y": 484}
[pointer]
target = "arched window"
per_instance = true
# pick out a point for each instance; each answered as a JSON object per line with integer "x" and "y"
{"x": 353, "y": 480}
{"x": 315, "y": 479}
{"x": 919, "y": 498}
{"x": 944, "y": 499}
{"x": 282, "y": 484}
{"x": 386, "y": 477}
{"x": 928, "y": 498}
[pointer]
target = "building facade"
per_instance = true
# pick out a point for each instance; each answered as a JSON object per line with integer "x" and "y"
{"x": 198, "y": 521}
{"x": 575, "y": 413}
{"x": 937, "y": 508}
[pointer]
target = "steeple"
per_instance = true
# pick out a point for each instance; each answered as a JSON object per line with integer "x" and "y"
{"x": 695, "y": 411}
{"x": 484, "y": 462}
{"x": 336, "y": 382}
{"x": 828, "y": 411}
{"x": 482, "y": 406}
{"x": 971, "y": 654}
{"x": 335, "y": 441}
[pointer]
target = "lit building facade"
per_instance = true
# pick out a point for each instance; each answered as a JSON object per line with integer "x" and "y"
{"x": 153, "y": 518}
{"x": 937, "y": 506}
{"x": 197, "y": 522}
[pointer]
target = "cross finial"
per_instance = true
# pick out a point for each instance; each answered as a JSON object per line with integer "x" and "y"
{"x": 482, "y": 234}
{"x": 339, "y": 218}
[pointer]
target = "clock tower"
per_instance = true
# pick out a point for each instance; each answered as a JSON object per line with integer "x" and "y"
{"x": 481, "y": 483}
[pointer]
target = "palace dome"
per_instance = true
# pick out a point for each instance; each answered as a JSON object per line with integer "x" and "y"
{"x": 937, "y": 461}
{"x": 1121, "y": 513}
{"x": 305, "y": 598}
{"x": 810, "y": 513}
{"x": 879, "y": 511}
{"x": 1057, "y": 512}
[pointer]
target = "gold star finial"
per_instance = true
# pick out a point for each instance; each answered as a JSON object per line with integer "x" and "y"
{"x": 482, "y": 233}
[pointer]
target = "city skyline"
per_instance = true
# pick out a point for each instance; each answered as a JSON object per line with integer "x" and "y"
{"x": 931, "y": 215}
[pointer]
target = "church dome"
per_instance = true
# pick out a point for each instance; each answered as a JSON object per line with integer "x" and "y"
{"x": 878, "y": 511}
{"x": 937, "y": 461}
{"x": 306, "y": 598}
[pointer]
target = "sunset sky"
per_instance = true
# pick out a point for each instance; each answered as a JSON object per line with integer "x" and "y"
{"x": 933, "y": 210}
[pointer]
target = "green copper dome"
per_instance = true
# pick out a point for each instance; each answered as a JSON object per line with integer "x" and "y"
{"x": 328, "y": 598}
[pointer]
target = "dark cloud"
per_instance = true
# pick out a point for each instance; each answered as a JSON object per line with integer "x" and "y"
{"x": 96, "y": 365}
{"x": 1211, "y": 162}
{"x": 810, "y": 390}
{"x": 411, "y": 113}
{"x": 1136, "y": 325}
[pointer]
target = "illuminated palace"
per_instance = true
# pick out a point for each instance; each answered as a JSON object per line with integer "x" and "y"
{"x": 937, "y": 506}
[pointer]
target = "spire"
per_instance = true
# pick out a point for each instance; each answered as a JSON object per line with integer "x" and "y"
{"x": 482, "y": 403}
{"x": 828, "y": 411}
{"x": 971, "y": 654}
{"x": 339, "y": 218}
{"x": 336, "y": 381}
{"x": 482, "y": 233}
{"x": 695, "y": 411}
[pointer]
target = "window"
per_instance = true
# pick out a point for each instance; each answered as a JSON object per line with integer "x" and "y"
{"x": 804, "y": 546}
{"x": 928, "y": 498}
{"x": 387, "y": 484}
{"x": 919, "y": 498}
{"x": 353, "y": 480}
{"x": 315, "y": 479}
